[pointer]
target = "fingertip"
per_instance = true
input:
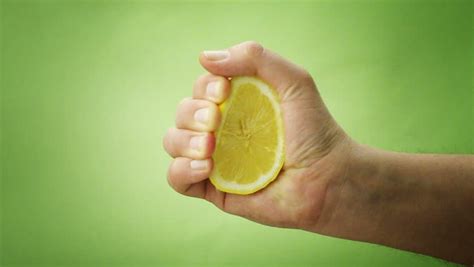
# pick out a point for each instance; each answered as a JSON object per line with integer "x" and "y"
{"x": 211, "y": 87}
{"x": 214, "y": 117}
{"x": 237, "y": 60}
{"x": 250, "y": 58}
{"x": 216, "y": 55}
{"x": 218, "y": 90}
{"x": 209, "y": 65}
{"x": 210, "y": 144}
{"x": 202, "y": 59}
{"x": 184, "y": 172}
{"x": 201, "y": 165}
{"x": 198, "y": 115}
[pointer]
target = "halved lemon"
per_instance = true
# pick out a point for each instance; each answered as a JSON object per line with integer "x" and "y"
{"x": 250, "y": 146}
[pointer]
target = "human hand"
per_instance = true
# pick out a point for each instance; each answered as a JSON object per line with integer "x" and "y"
{"x": 329, "y": 184}
{"x": 317, "y": 149}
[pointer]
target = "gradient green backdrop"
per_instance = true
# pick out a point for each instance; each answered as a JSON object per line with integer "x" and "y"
{"x": 88, "y": 89}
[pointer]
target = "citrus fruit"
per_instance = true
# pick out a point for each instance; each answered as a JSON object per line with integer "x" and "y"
{"x": 249, "y": 149}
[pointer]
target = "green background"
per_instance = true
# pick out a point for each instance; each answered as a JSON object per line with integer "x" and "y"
{"x": 88, "y": 89}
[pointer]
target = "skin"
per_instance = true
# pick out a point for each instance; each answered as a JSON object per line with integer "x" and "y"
{"x": 329, "y": 183}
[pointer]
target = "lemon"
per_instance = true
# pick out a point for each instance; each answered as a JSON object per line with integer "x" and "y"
{"x": 249, "y": 150}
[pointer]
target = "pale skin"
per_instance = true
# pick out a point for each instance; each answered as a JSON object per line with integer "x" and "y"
{"x": 329, "y": 184}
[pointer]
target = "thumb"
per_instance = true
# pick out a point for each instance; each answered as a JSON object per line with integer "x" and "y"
{"x": 252, "y": 59}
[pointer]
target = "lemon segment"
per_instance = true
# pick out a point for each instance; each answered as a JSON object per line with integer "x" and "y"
{"x": 249, "y": 151}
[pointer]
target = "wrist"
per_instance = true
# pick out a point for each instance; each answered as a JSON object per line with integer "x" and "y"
{"x": 401, "y": 200}
{"x": 351, "y": 208}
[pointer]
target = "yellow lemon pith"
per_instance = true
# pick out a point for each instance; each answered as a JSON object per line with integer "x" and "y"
{"x": 250, "y": 139}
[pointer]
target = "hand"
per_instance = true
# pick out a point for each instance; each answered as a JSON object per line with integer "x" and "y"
{"x": 317, "y": 150}
{"x": 329, "y": 184}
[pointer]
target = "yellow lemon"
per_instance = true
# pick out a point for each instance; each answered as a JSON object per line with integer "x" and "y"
{"x": 250, "y": 145}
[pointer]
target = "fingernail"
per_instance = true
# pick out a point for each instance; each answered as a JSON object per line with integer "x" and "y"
{"x": 196, "y": 142}
{"x": 216, "y": 55}
{"x": 212, "y": 90}
{"x": 202, "y": 115}
{"x": 198, "y": 164}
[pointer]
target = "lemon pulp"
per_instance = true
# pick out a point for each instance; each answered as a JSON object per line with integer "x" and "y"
{"x": 249, "y": 141}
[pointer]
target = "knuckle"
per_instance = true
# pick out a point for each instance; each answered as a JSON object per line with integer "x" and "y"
{"x": 253, "y": 48}
{"x": 306, "y": 76}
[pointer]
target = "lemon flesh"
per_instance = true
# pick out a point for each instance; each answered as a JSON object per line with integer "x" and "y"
{"x": 250, "y": 139}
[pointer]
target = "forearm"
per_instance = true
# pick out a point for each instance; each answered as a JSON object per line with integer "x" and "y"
{"x": 421, "y": 203}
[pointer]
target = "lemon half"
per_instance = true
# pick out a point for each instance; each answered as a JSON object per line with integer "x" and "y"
{"x": 249, "y": 151}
